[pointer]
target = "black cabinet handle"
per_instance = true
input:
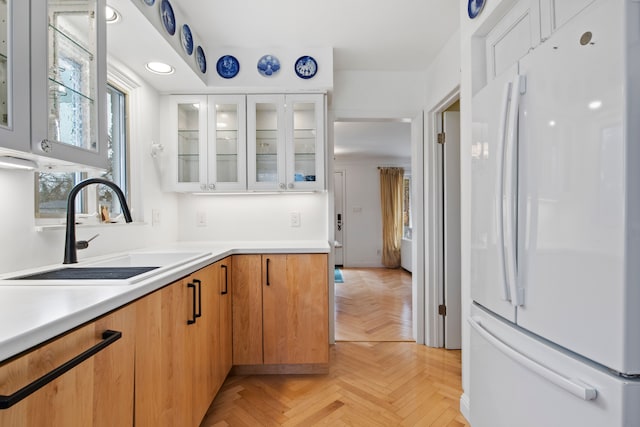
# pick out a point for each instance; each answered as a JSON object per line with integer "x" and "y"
{"x": 108, "y": 338}
{"x": 268, "y": 260}
{"x": 199, "y": 312}
{"x": 193, "y": 309}
{"x": 226, "y": 280}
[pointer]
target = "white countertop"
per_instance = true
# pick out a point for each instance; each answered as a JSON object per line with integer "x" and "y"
{"x": 31, "y": 314}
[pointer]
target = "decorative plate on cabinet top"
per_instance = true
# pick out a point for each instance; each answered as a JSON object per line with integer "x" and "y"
{"x": 149, "y": 2}
{"x": 167, "y": 16}
{"x": 268, "y": 65}
{"x": 201, "y": 59}
{"x": 228, "y": 67}
{"x": 474, "y": 7}
{"x": 187, "y": 39}
{"x": 306, "y": 67}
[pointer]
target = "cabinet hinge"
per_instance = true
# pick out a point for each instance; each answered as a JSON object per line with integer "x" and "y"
{"x": 441, "y": 138}
{"x": 442, "y": 310}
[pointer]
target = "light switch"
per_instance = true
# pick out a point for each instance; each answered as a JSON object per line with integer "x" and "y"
{"x": 201, "y": 219}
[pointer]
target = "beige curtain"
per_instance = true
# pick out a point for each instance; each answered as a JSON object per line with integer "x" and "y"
{"x": 391, "y": 201}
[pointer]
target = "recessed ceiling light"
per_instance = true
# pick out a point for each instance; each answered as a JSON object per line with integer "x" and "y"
{"x": 594, "y": 105}
{"x": 111, "y": 15}
{"x": 159, "y": 68}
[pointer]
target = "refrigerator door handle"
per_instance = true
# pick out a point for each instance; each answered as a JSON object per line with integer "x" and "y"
{"x": 574, "y": 386}
{"x": 504, "y": 112}
{"x": 511, "y": 196}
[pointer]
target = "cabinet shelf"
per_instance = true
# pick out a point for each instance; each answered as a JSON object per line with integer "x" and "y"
{"x": 68, "y": 38}
{"x": 55, "y": 86}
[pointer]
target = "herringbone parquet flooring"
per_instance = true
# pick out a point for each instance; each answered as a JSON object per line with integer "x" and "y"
{"x": 374, "y": 304}
{"x": 369, "y": 384}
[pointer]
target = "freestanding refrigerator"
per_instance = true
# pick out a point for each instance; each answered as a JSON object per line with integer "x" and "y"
{"x": 555, "y": 230}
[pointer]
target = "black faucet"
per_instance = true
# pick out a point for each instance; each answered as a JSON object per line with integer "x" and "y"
{"x": 70, "y": 252}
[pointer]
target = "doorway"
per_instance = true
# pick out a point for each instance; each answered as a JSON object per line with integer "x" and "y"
{"x": 446, "y": 231}
{"x": 356, "y": 235}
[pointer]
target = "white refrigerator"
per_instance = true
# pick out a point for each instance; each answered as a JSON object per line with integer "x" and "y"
{"x": 555, "y": 230}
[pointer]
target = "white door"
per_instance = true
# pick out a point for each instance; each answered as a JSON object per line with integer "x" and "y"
{"x": 573, "y": 232}
{"x": 339, "y": 216}
{"x": 451, "y": 219}
{"x": 490, "y": 122}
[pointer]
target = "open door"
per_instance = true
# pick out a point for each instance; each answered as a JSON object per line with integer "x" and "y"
{"x": 451, "y": 229}
{"x": 339, "y": 216}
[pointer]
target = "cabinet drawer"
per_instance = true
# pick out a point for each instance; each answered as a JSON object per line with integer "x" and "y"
{"x": 96, "y": 392}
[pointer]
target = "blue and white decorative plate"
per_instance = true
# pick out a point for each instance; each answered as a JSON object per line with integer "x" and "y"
{"x": 268, "y": 65}
{"x": 228, "y": 67}
{"x": 149, "y": 2}
{"x": 306, "y": 67}
{"x": 474, "y": 7}
{"x": 167, "y": 16}
{"x": 187, "y": 39}
{"x": 201, "y": 59}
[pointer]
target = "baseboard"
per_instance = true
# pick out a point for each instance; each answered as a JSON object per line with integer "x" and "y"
{"x": 312, "y": 368}
{"x": 464, "y": 406}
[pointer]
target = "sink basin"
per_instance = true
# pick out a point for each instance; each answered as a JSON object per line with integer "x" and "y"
{"x": 87, "y": 273}
{"x": 125, "y": 269}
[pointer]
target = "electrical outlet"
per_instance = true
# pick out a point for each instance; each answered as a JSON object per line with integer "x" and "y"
{"x": 295, "y": 219}
{"x": 201, "y": 219}
{"x": 155, "y": 217}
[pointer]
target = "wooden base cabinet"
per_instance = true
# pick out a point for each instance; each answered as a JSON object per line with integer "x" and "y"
{"x": 280, "y": 313}
{"x": 99, "y": 391}
{"x": 183, "y": 352}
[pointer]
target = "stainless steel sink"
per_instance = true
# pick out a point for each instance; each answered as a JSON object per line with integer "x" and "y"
{"x": 118, "y": 270}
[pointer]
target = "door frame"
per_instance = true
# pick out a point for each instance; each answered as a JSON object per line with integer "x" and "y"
{"x": 434, "y": 256}
{"x": 344, "y": 211}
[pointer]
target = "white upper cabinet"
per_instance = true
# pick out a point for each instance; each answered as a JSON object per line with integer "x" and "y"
{"x": 68, "y": 81}
{"x": 286, "y": 142}
{"x": 207, "y": 140}
{"x": 527, "y": 24}
{"x": 14, "y": 75}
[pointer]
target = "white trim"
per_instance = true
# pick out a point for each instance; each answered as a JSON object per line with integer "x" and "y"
{"x": 434, "y": 336}
{"x": 465, "y": 406}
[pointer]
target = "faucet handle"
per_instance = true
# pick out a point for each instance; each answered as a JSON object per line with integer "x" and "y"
{"x": 84, "y": 244}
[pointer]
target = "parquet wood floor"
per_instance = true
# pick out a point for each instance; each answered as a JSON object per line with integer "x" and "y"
{"x": 374, "y": 304}
{"x": 369, "y": 383}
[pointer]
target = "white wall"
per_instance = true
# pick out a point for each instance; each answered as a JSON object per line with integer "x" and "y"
{"x": 371, "y": 94}
{"x": 24, "y": 247}
{"x": 253, "y": 217}
{"x": 362, "y": 212}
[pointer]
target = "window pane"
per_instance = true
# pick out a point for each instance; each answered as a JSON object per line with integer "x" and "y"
{"x": 116, "y": 134}
{"x": 53, "y": 190}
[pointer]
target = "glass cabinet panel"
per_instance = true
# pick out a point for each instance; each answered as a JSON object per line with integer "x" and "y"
{"x": 304, "y": 141}
{"x": 227, "y": 142}
{"x": 188, "y": 143}
{"x": 72, "y": 73}
{"x": 266, "y": 140}
{"x": 14, "y": 75}
{"x": 4, "y": 70}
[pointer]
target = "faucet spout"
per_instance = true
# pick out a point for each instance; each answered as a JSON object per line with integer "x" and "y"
{"x": 70, "y": 250}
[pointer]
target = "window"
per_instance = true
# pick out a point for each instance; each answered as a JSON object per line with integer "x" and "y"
{"x": 53, "y": 187}
{"x": 406, "y": 207}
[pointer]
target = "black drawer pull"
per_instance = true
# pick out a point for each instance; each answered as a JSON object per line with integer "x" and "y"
{"x": 226, "y": 280}
{"x": 199, "y": 312}
{"x": 108, "y": 338}
{"x": 193, "y": 309}
{"x": 268, "y": 261}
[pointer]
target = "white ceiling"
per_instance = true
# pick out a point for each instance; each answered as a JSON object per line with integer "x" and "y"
{"x": 400, "y": 35}
{"x": 382, "y": 139}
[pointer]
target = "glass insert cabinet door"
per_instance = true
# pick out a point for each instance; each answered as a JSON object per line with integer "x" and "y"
{"x": 227, "y": 143}
{"x": 14, "y": 75}
{"x": 188, "y": 116}
{"x": 266, "y": 147}
{"x": 72, "y": 127}
{"x": 305, "y": 148}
